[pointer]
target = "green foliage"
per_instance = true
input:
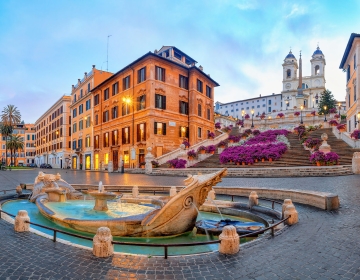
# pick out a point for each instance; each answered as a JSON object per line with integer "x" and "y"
{"x": 343, "y": 117}
{"x": 327, "y": 99}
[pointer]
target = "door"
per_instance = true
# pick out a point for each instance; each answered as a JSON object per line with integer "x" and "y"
{"x": 87, "y": 162}
{"x": 141, "y": 156}
{"x": 96, "y": 161}
{"x": 74, "y": 162}
{"x": 115, "y": 160}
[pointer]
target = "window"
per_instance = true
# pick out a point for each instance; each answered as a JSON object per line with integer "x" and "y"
{"x": 115, "y": 88}
{"x": 96, "y": 119}
{"x": 74, "y": 112}
{"x": 354, "y": 92}
{"x": 74, "y": 145}
{"x": 141, "y": 102}
{"x": 349, "y": 125}
{"x": 106, "y": 94}
{"x": 96, "y": 142}
{"x": 96, "y": 99}
{"x": 199, "y": 110}
{"x": 88, "y": 104}
{"x": 81, "y": 93}
{"x": 265, "y": 105}
{"x": 208, "y": 92}
{"x": 199, "y": 132}
{"x": 141, "y": 75}
{"x": 81, "y": 109}
{"x": 87, "y": 142}
{"x": 126, "y": 82}
{"x": 88, "y": 87}
{"x": 317, "y": 70}
{"x": 125, "y": 108}
{"x": 348, "y": 74}
{"x": 183, "y": 107}
{"x": 269, "y": 102}
{"x": 288, "y": 73}
{"x": 106, "y": 158}
{"x": 106, "y": 116}
{"x": 141, "y": 132}
{"x": 106, "y": 140}
{"x": 258, "y": 106}
{"x": 184, "y": 132}
{"x": 199, "y": 85}
{"x": 114, "y": 112}
{"x": 183, "y": 82}
{"x": 125, "y": 133}
{"x": 209, "y": 113}
{"x": 114, "y": 137}
{"x": 74, "y": 98}
{"x": 74, "y": 127}
{"x": 354, "y": 61}
{"x": 81, "y": 125}
{"x": 88, "y": 121}
{"x": 177, "y": 55}
{"x": 160, "y": 101}
{"x": 159, "y": 73}
{"x": 80, "y": 143}
{"x": 160, "y": 128}
{"x": 269, "y": 110}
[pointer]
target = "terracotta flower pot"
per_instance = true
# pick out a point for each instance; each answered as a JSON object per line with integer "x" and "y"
{"x": 318, "y": 163}
{"x": 256, "y": 160}
{"x": 243, "y": 163}
{"x": 221, "y": 147}
{"x": 270, "y": 159}
{"x": 213, "y": 152}
{"x": 190, "y": 158}
{"x": 249, "y": 163}
{"x": 231, "y": 141}
{"x": 238, "y": 163}
{"x": 262, "y": 160}
{"x": 142, "y": 166}
{"x": 202, "y": 152}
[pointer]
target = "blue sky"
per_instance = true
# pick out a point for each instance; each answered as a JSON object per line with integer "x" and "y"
{"x": 47, "y": 45}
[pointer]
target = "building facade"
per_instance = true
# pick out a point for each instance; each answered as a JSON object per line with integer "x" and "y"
{"x": 349, "y": 64}
{"x": 262, "y": 104}
{"x": 29, "y": 144}
{"x": 303, "y": 91}
{"x": 82, "y": 129}
{"x": 157, "y": 101}
{"x": 53, "y": 140}
{"x": 18, "y": 157}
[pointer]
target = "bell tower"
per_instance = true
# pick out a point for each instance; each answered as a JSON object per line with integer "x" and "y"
{"x": 290, "y": 83}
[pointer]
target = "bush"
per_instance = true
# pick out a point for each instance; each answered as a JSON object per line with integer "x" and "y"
{"x": 297, "y": 114}
{"x": 341, "y": 126}
{"x": 256, "y": 132}
{"x": 327, "y": 159}
{"x": 247, "y": 117}
{"x": 177, "y": 163}
{"x": 211, "y": 135}
{"x": 355, "y": 134}
{"x": 313, "y": 143}
{"x": 234, "y": 138}
{"x": 227, "y": 129}
{"x": 217, "y": 125}
{"x": 333, "y": 123}
{"x": 222, "y": 143}
{"x": 332, "y": 110}
{"x": 240, "y": 123}
{"x": 280, "y": 115}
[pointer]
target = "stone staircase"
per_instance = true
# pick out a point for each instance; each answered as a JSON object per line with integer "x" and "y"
{"x": 338, "y": 146}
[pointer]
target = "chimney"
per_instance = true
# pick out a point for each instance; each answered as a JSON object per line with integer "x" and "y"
{"x": 93, "y": 66}
{"x": 72, "y": 87}
{"x": 201, "y": 68}
{"x": 85, "y": 74}
{"x": 155, "y": 52}
{"x": 79, "y": 81}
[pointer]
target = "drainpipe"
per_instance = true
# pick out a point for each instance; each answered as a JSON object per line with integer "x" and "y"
{"x": 133, "y": 112}
{"x": 189, "y": 103}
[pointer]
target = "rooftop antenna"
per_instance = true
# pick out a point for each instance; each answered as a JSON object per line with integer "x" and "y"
{"x": 107, "y": 54}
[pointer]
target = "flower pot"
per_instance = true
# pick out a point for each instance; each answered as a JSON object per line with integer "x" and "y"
{"x": 238, "y": 163}
{"x": 270, "y": 159}
{"x": 231, "y": 141}
{"x": 256, "y": 160}
{"x": 249, "y": 163}
{"x": 213, "y": 152}
{"x": 190, "y": 158}
{"x": 262, "y": 160}
{"x": 221, "y": 147}
{"x": 342, "y": 130}
{"x": 230, "y": 161}
{"x": 318, "y": 163}
{"x": 243, "y": 163}
{"x": 202, "y": 152}
{"x": 142, "y": 166}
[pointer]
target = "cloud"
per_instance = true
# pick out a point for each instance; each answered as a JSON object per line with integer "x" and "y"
{"x": 296, "y": 10}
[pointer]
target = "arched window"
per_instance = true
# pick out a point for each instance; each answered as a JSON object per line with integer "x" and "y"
{"x": 288, "y": 73}
{"x": 317, "y": 70}
{"x": 304, "y": 86}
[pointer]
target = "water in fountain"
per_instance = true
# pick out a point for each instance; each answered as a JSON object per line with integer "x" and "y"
{"x": 56, "y": 185}
{"x": 207, "y": 234}
{"x": 119, "y": 201}
{"x": 101, "y": 187}
{"x": 222, "y": 218}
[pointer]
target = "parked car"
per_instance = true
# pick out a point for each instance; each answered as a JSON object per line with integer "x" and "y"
{"x": 32, "y": 165}
{"x": 48, "y": 166}
{"x": 45, "y": 165}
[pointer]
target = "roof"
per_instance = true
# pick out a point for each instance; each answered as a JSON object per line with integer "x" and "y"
{"x": 348, "y": 48}
{"x": 159, "y": 57}
{"x": 164, "y": 48}
{"x": 290, "y": 55}
{"x": 318, "y": 51}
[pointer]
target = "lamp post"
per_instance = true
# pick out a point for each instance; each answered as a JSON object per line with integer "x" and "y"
{"x": 325, "y": 107}
{"x": 313, "y": 102}
{"x": 128, "y": 101}
{"x": 301, "y": 108}
{"x": 242, "y": 118}
{"x": 358, "y": 119}
{"x": 287, "y": 104}
{"x": 252, "y": 118}
{"x": 339, "y": 110}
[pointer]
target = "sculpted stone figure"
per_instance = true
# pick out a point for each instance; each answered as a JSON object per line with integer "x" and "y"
{"x": 21, "y": 218}
{"x": 102, "y": 246}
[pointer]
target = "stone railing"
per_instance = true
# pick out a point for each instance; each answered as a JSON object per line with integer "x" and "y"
{"x": 345, "y": 136}
{"x": 174, "y": 154}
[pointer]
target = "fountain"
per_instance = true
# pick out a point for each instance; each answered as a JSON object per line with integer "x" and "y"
{"x": 101, "y": 197}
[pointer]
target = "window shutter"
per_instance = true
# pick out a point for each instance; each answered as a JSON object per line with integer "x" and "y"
{"x": 179, "y": 131}
{"x": 180, "y": 107}
{"x": 155, "y": 127}
{"x": 187, "y": 108}
{"x": 164, "y": 102}
{"x": 138, "y": 103}
{"x": 138, "y": 132}
{"x": 187, "y": 133}
{"x": 163, "y": 75}
{"x": 164, "y": 128}
{"x": 123, "y": 109}
{"x": 145, "y": 131}
{"x": 156, "y": 72}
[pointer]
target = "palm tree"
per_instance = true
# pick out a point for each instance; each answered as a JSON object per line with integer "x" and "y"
{"x": 10, "y": 116}
{"x": 14, "y": 144}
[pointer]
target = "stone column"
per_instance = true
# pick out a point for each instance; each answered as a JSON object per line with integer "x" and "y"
{"x": 253, "y": 199}
{"x": 356, "y": 163}
{"x": 325, "y": 147}
{"x": 110, "y": 167}
{"x": 173, "y": 191}
{"x": 102, "y": 246}
{"x": 285, "y": 204}
{"x": 148, "y": 159}
{"x": 291, "y": 211}
{"x": 230, "y": 241}
{"x": 135, "y": 191}
{"x": 19, "y": 190}
{"x": 21, "y": 218}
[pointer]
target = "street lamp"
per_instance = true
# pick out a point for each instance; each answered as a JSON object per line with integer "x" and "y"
{"x": 358, "y": 119}
{"x": 313, "y": 102}
{"x": 325, "y": 107}
{"x": 339, "y": 109}
{"x": 128, "y": 101}
{"x": 252, "y": 118}
{"x": 301, "y": 108}
{"x": 287, "y": 104}
{"x": 242, "y": 117}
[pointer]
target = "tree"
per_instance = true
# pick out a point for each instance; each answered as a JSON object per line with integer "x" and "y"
{"x": 327, "y": 99}
{"x": 10, "y": 116}
{"x": 15, "y": 144}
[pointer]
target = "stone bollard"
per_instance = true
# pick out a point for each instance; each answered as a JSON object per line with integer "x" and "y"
{"x": 291, "y": 211}
{"x": 102, "y": 246}
{"x": 356, "y": 163}
{"x": 135, "y": 191}
{"x": 148, "y": 161}
{"x": 173, "y": 191}
{"x": 285, "y": 204}
{"x": 253, "y": 199}
{"x": 21, "y": 218}
{"x": 230, "y": 241}
{"x": 19, "y": 190}
{"x": 211, "y": 195}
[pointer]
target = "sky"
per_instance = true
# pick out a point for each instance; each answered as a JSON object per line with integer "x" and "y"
{"x": 45, "y": 46}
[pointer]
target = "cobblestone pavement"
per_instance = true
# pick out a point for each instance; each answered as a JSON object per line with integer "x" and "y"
{"x": 323, "y": 245}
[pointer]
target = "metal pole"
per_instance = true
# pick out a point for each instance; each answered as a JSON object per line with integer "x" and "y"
{"x": 166, "y": 252}
{"x": 107, "y": 53}
{"x": 301, "y": 121}
{"x": 252, "y": 121}
{"x": 54, "y": 238}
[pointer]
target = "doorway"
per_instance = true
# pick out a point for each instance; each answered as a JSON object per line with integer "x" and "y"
{"x": 115, "y": 160}
{"x": 96, "y": 161}
{"x": 87, "y": 162}
{"x": 74, "y": 162}
{"x": 141, "y": 156}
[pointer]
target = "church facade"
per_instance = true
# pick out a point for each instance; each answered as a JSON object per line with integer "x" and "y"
{"x": 303, "y": 91}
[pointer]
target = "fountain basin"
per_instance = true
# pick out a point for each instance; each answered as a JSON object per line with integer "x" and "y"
{"x": 216, "y": 227}
{"x": 101, "y": 199}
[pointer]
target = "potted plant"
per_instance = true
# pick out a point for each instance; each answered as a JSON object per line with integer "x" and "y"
{"x": 337, "y": 116}
{"x": 333, "y": 123}
{"x": 210, "y": 149}
{"x": 227, "y": 129}
{"x": 186, "y": 143}
{"x": 221, "y": 144}
{"x": 240, "y": 123}
{"x": 341, "y": 127}
{"x": 355, "y": 134}
{"x": 280, "y": 115}
{"x": 233, "y": 138}
{"x": 177, "y": 163}
{"x": 155, "y": 164}
{"x": 211, "y": 135}
{"x": 201, "y": 150}
{"x": 313, "y": 113}
{"x": 331, "y": 158}
{"x": 317, "y": 158}
{"x": 296, "y": 114}
{"x": 332, "y": 110}
{"x": 142, "y": 165}
{"x": 191, "y": 154}
{"x": 217, "y": 125}
{"x": 247, "y": 116}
